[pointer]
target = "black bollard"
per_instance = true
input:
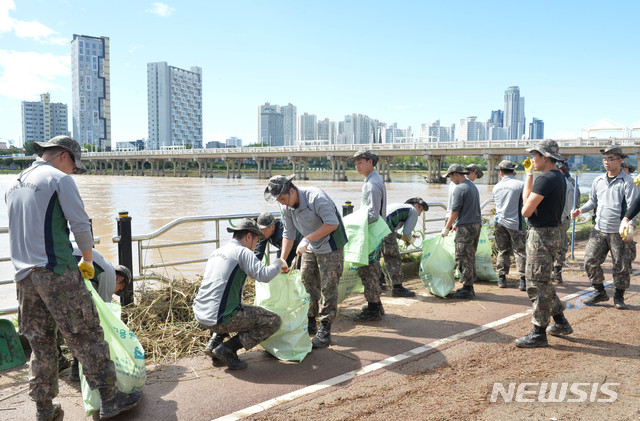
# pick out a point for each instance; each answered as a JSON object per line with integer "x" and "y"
{"x": 347, "y": 209}
{"x": 125, "y": 253}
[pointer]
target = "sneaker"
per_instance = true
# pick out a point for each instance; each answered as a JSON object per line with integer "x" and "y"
{"x": 119, "y": 403}
{"x": 364, "y": 308}
{"x": 401, "y": 291}
{"x": 537, "y": 338}
{"x": 523, "y": 284}
{"x": 323, "y": 338}
{"x": 312, "y": 327}
{"x": 464, "y": 293}
{"x": 502, "y": 281}
{"x": 214, "y": 342}
{"x": 229, "y": 357}
{"x": 47, "y": 411}
{"x": 598, "y": 297}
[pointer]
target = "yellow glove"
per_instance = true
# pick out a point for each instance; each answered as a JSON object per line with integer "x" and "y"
{"x": 637, "y": 180}
{"x": 87, "y": 269}
{"x": 528, "y": 165}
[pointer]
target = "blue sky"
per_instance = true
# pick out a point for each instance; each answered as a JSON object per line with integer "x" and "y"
{"x": 409, "y": 62}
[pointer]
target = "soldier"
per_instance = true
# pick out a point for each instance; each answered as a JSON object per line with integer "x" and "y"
{"x": 400, "y": 215}
{"x": 628, "y": 168}
{"x": 543, "y": 204}
{"x": 466, "y": 219}
{"x": 565, "y": 223}
{"x": 272, "y": 229}
{"x": 629, "y": 244}
{"x": 218, "y": 304}
{"x": 510, "y": 228}
{"x": 42, "y": 203}
{"x": 612, "y": 193}
{"x": 311, "y": 212}
{"x": 473, "y": 172}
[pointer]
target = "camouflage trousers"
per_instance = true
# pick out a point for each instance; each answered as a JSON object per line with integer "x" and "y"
{"x": 542, "y": 248}
{"x": 370, "y": 275}
{"x": 564, "y": 244}
{"x": 599, "y": 245}
{"x": 392, "y": 259}
{"x": 320, "y": 275}
{"x": 510, "y": 242}
{"x": 252, "y": 325}
{"x": 630, "y": 253}
{"x": 466, "y": 242}
{"x": 48, "y": 302}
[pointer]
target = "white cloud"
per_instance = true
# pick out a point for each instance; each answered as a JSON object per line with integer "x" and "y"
{"x": 23, "y": 29}
{"x": 161, "y": 9}
{"x": 135, "y": 48}
{"x": 25, "y": 75}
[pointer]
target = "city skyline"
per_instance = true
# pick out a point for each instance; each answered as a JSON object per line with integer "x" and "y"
{"x": 566, "y": 86}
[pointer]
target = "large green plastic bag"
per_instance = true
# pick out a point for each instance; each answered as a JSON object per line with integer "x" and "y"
{"x": 484, "y": 264}
{"x": 436, "y": 267}
{"x": 364, "y": 238}
{"x": 286, "y": 296}
{"x": 125, "y": 352}
{"x": 350, "y": 282}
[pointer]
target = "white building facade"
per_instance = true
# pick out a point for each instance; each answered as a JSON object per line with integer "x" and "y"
{"x": 42, "y": 120}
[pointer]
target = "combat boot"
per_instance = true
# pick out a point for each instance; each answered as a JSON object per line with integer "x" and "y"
{"x": 227, "y": 353}
{"x": 618, "y": 300}
{"x": 523, "y": 284}
{"x": 558, "y": 275}
{"x": 400, "y": 291}
{"x": 502, "y": 281}
{"x": 560, "y": 326}
{"x": 464, "y": 293}
{"x": 75, "y": 370}
{"x": 323, "y": 338}
{"x": 370, "y": 314}
{"x": 312, "y": 327}
{"x": 47, "y": 410}
{"x": 214, "y": 342}
{"x": 364, "y": 308}
{"x": 118, "y": 403}
{"x": 537, "y": 338}
{"x": 598, "y": 297}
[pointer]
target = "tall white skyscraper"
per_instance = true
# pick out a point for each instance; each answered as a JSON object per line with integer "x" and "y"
{"x": 471, "y": 130}
{"x": 514, "y": 118}
{"x": 91, "y": 87}
{"x": 435, "y": 132}
{"x": 308, "y": 127}
{"x": 358, "y": 129}
{"x": 42, "y": 120}
{"x": 270, "y": 125}
{"x": 174, "y": 106}
{"x": 289, "y": 123}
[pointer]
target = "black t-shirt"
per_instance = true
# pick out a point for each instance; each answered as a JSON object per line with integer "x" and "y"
{"x": 553, "y": 187}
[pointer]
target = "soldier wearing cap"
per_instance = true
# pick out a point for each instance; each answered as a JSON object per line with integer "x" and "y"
{"x": 566, "y": 222}
{"x": 466, "y": 219}
{"x": 312, "y": 213}
{"x": 218, "y": 304}
{"x": 612, "y": 193}
{"x": 42, "y": 203}
{"x": 400, "y": 215}
{"x": 543, "y": 203}
{"x": 374, "y": 197}
{"x": 628, "y": 168}
{"x": 510, "y": 228}
{"x": 473, "y": 172}
{"x": 272, "y": 229}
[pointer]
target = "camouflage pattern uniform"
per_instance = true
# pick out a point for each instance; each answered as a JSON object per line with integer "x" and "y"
{"x": 253, "y": 325}
{"x": 466, "y": 246}
{"x": 564, "y": 244}
{"x": 599, "y": 245}
{"x": 324, "y": 294}
{"x": 392, "y": 259}
{"x": 630, "y": 250}
{"x": 542, "y": 247}
{"x": 370, "y": 275}
{"x": 46, "y": 300}
{"x": 510, "y": 242}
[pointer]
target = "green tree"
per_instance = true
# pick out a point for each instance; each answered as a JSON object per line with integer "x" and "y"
{"x": 29, "y": 148}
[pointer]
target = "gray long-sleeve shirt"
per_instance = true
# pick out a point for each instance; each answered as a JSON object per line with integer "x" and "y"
{"x": 374, "y": 196}
{"x": 612, "y": 200}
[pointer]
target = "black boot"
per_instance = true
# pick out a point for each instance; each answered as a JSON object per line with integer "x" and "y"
{"x": 502, "y": 281}
{"x": 364, "y": 308}
{"x": 464, "y": 293}
{"x": 560, "y": 326}
{"x": 558, "y": 274}
{"x": 323, "y": 338}
{"x": 523, "y": 284}
{"x": 400, "y": 291}
{"x": 214, "y": 342}
{"x": 370, "y": 314}
{"x": 598, "y": 297}
{"x": 537, "y": 338}
{"x": 618, "y": 299}
{"x": 75, "y": 371}
{"x": 117, "y": 403}
{"x": 47, "y": 410}
{"x": 227, "y": 353}
{"x": 312, "y": 326}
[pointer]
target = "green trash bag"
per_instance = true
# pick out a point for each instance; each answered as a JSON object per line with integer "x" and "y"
{"x": 436, "y": 267}
{"x": 286, "y": 296}
{"x": 350, "y": 282}
{"x": 125, "y": 352}
{"x": 364, "y": 238}
{"x": 484, "y": 265}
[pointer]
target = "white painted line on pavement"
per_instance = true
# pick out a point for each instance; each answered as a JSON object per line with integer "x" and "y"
{"x": 263, "y": 406}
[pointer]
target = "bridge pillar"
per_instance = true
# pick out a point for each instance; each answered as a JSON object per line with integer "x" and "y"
{"x": 233, "y": 167}
{"x": 434, "y": 163}
{"x": 300, "y": 168}
{"x": 384, "y": 168}
{"x": 492, "y": 164}
{"x": 338, "y": 168}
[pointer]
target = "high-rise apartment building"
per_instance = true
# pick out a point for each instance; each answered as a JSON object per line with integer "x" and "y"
{"x": 536, "y": 129}
{"x": 308, "y": 127}
{"x": 471, "y": 130}
{"x": 233, "y": 142}
{"x": 289, "y": 123}
{"x": 42, "y": 120}
{"x": 393, "y": 134}
{"x": 435, "y": 132}
{"x": 514, "y": 118}
{"x": 174, "y": 101}
{"x": 359, "y": 129}
{"x": 90, "y": 85}
{"x": 270, "y": 125}
{"x": 497, "y": 117}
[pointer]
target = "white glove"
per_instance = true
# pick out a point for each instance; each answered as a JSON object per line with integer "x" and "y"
{"x": 626, "y": 230}
{"x": 302, "y": 247}
{"x": 283, "y": 265}
{"x": 445, "y": 232}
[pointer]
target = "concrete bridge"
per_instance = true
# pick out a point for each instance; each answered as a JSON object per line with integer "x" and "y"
{"x": 493, "y": 151}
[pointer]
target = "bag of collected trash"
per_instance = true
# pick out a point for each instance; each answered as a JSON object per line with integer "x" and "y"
{"x": 364, "y": 238}
{"x": 286, "y": 296}
{"x": 350, "y": 282}
{"x": 125, "y": 352}
{"x": 484, "y": 265}
{"x": 436, "y": 266}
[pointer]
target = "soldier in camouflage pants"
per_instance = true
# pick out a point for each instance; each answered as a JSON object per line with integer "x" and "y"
{"x": 564, "y": 245}
{"x": 599, "y": 245}
{"x": 328, "y": 268}
{"x": 466, "y": 246}
{"x": 253, "y": 325}
{"x": 510, "y": 242}
{"x": 370, "y": 275}
{"x": 392, "y": 259}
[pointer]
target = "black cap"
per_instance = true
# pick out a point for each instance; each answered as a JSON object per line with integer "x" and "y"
{"x": 418, "y": 201}
{"x": 247, "y": 225}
